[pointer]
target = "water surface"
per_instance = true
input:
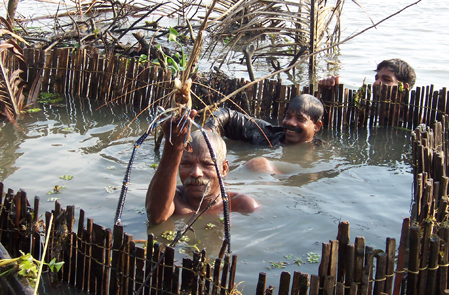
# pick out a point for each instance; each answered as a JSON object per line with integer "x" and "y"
{"x": 362, "y": 177}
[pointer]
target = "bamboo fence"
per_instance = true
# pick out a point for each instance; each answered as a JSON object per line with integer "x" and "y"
{"x": 129, "y": 81}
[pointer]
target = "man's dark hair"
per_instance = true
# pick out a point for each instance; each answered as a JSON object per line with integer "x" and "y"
{"x": 402, "y": 70}
{"x": 309, "y": 105}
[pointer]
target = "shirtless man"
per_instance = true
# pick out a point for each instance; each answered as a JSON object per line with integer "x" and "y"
{"x": 196, "y": 169}
{"x": 389, "y": 72}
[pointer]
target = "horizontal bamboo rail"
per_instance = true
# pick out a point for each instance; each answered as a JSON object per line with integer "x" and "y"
{"x": 128, "y": 81}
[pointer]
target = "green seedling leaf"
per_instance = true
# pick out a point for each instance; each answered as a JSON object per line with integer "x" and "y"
{"x": 154, "y": 166}
{"x": 66, "y": 177}
{"x": 55, "y": 265}
{"x": 288, "y": 256}
{"x": 221, "y": 219}
{"x": 172, "y": 35}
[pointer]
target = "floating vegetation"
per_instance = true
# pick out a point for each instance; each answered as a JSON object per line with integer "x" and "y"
{"x": 210, "y": 226}
{"x": 154, "y": 165}
{"x": 313, "y": 257}
{"x": 57, "y": 189}
{"x": 277, "y": 264}
{"x": 66, "y": 177}
{"x": 28, "y": 266}
{"x": 110, "y": 189}
{"x": 170, "y": 235}
{"x": 45, "y": 97}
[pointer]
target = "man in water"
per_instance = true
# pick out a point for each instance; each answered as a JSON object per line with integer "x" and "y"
{"x": 389, "y": 72}
{"x": 301, "y": 121}
{"x": 200, "y": 184}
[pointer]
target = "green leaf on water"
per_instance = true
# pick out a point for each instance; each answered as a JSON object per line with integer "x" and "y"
{"x": 34, "y": 110}
{"x": 313, "y": 257}
{"x": 288, "y": 256}
{"x": 170, "y": 235}
{"x": 210, "y": 226}
{"x": 298, "y": 261}
{"x": 66, "y": 177}
{"x": 154, "y": 166}
{"x": 278, "y": 264}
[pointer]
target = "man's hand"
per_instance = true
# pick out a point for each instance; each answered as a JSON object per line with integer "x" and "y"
{"x": 175, "y": 133}
{"x": 329, "y": 82}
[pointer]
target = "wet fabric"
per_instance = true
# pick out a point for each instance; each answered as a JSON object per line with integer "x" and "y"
{"x": 238, "y": 126}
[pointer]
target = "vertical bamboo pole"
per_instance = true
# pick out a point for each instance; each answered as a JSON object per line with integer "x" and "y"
{"x": 284, "y": 283}
{"x": 260, "y": 288}
{"x": 168, "y": 268}
{"x": 140, "y": 267}
{"x": 80, "y": 252}
{"x": 389, "y": 270}
{"x": 401, "y": 256}
{"x": 132, "y": 265}
{"x": 358, "y": 260}
{"x": 148, "y": 264}
{"x": 443, "y": 233}
{"x": 314, "y": 285}
{"x": 343, "y": 239}
{"x": 117, "y": 242}
{"x": 413, "y": 268}
{"x": 379, "y": 285}
{"x": 433, "y": 265}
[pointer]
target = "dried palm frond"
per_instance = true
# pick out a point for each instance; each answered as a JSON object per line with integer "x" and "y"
{"x": 279, "y": 28}
{"x": 11, "y": 84}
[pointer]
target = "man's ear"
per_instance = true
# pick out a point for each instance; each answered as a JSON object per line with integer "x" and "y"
{"x": 318, "y": 125}
{"x": 225, "y": 168}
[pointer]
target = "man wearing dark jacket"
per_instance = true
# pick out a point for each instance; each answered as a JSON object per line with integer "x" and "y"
{"x": 301, "y": 121}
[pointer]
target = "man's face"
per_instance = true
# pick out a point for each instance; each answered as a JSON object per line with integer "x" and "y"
{"x": 385, "y": 76}
{"x": 195, "y": 170}
{"x": 298, "y": 127}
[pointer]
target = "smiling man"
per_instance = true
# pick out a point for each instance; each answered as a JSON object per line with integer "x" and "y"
{"x": 197, "y": 173}
{"x": 389, "y": 72}
{"x": 301, "y": 121}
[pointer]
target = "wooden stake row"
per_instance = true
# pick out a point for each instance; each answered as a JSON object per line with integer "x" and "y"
{"x": 128, "y": 81}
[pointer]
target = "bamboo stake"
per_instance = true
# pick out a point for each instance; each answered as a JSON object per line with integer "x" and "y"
{"x": 41, "y": 265}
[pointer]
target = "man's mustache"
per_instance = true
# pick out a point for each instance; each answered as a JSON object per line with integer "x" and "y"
{"x": 291, "y": 128}
{"x": 196, "y": 181}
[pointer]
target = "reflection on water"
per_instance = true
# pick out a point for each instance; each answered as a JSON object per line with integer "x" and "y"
{"x": 359, "y": 176}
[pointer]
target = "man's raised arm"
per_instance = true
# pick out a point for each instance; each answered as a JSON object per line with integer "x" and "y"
{"x": 159, "y": 202}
